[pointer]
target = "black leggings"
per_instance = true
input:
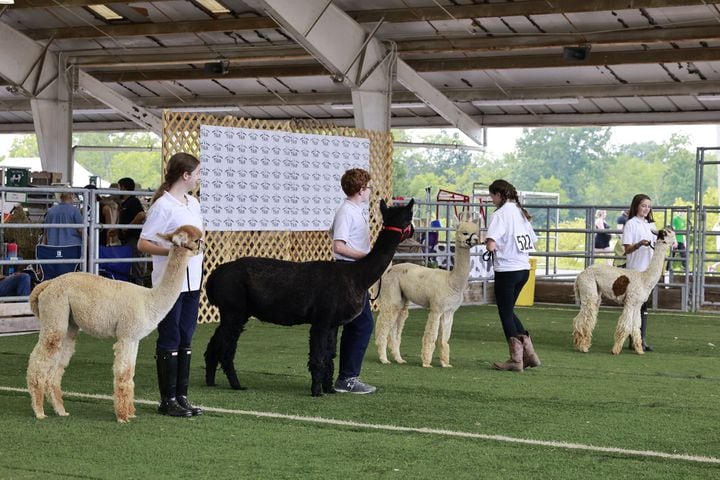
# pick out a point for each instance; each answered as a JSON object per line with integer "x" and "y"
{"x": 507, "y": 289}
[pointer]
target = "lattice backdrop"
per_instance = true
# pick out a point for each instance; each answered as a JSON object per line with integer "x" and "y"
{"x": 181, "y": 133}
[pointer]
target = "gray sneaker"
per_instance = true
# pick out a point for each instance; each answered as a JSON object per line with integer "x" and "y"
{"x": 353, "y": 385}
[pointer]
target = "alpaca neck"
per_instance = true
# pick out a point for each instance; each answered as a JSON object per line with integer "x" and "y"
{"x": 373, "y": 265}
{"x": 165, "y": 294}
{"x": 652, "y": 274}
{"x": 457, "y": 280}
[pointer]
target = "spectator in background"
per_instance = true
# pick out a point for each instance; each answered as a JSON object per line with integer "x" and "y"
{"x": 679, "y": 224}
{"x": 619, "y": 250}
{"x": 15, "y": 285}
{"x": 63, "y": 212}
{"x": 602, "y": 237}
{"x": 132, "y": 213}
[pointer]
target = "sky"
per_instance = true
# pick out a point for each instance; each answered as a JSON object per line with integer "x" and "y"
{"x": 502, "y": 140}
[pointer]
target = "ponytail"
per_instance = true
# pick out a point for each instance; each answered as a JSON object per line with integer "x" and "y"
{"x": 507, "y": 191}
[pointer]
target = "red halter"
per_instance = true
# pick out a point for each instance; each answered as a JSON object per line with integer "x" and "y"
{"x": 405, "y": 233}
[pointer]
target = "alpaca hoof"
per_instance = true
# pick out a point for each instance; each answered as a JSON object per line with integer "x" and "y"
{"x": 640, "y": 352}
{"x": 40, "y": 416}
{"x": 385, "y": 361}
{"x": 427, "y": 365}
{"x": 445, "y": 365}
{"x": 122, "y": 420}
{"x": 238, "y": 387}
{"x": 63, "y": 414}
{"x": 400, "y": 360}
{"x": 616, "y": 351}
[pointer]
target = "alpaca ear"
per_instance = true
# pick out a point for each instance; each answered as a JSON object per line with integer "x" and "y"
{"x": 383, "y": 206}
{"x": 411, "y": 203}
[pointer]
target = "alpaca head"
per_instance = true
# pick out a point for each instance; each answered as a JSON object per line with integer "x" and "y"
{"x": 666, "y": 236}
{"x": 187, "y": 236}
{"x": 467, "y": 235}
{"x": 398, "y": 218}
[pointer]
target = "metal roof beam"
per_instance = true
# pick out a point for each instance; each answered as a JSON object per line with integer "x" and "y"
{"x": 133, "y": 112}
{"x": 8, "y": 104}
{"x": 455, "y": 64}
{"x": 399, "y": 15}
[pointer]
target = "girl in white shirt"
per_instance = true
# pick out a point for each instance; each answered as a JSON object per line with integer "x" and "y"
{"x": 638, "y": 239}
{"x": 511, "y": 237}
{"x": 173, "y": 206}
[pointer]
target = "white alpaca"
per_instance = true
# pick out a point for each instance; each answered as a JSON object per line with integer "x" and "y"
{"x": 439, "y": 290}
{"x": 625, "y": 286}
{"x": 103, "y": 308}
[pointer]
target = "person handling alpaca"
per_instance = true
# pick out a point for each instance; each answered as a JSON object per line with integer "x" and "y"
{"x": 172, "y": 207}
{"x": 511, "y": 237}
{"x": 638, "y": 239}
{"x": 350, "y": 232}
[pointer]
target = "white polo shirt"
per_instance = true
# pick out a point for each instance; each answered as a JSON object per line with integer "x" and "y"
{"x": 514, "y": 237}
{"x": 351, "y": 226}
{"x": 165, "y": 216}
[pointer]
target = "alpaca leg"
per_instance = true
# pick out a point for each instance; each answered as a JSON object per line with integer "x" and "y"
{"x": 430, "y": 337}
{"x": 316, "y": 358}
{"x": 445, "y": 331}
{"x": 385, "y": 322}
{"x": 638, "y": 340}
{"x": 222, "y": 347}
{"x": 55, "y": 378}
{"x": 625, "y": 327}
{"x": 584, "y": 323}
{"x": 124, "y": 384}
{"x": 42, "y": 360}
{"x": 328, "y": 384}
{"x": 396, "y": 334}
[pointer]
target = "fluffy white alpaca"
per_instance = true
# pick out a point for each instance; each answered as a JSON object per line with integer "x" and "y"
{"x": 628, "y": 287}
{"x": 103, "y": 308}
{"x": 439, "y": 290}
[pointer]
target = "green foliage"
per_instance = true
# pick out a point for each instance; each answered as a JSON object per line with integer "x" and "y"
{"x": 577, "y": 163}
{"x": 143, "y": 167}
{"x": 662, "y": 401}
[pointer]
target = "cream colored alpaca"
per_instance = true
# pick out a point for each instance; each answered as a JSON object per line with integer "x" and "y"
{"x": 439, "y": 290}
{"x": 628, "y": 287}
{"x": 103, "y": 308}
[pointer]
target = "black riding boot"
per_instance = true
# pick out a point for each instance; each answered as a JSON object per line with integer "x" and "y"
{"x": 167, "y": 370}
{"x": 183, "y": 380}
{"x": 643, "y": 329}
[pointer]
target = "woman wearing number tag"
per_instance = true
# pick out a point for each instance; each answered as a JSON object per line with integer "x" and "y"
{"x": 511, "y": 237}
{"x": 638, "y": 239}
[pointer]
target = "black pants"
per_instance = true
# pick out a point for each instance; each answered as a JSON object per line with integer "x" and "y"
{"x": 507, "y": 290}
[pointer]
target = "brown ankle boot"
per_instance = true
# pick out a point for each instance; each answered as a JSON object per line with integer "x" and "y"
{"x": 530, "y": 358}
{"x": 515, "y": 362}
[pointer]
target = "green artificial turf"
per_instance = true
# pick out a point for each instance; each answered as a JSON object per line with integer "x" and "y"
{"x": 665, "y": 401}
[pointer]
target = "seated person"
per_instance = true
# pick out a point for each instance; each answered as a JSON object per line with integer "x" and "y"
{"x": 15, "y": 285}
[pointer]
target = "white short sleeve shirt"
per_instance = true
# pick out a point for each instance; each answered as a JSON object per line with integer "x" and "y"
{"x": 165, "y": 216}
{"x": 637, "y": 229}
{"x": 351, "y": 226}
{"x": 514, "y": 236}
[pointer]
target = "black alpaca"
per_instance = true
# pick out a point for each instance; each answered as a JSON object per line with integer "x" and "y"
{"x": 324, "y": 294}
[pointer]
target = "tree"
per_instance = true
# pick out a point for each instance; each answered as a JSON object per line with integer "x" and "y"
{"x": 143, "y": 167}
{"x": 575, "y": 156}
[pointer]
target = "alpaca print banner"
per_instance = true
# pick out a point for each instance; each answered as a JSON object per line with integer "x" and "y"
{"x": 273, "y": 180}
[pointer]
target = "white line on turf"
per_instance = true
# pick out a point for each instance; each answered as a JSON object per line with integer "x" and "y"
{"x": 427, "y": 431}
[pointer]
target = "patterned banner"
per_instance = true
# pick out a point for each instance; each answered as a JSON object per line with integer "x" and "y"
{"x": 274, "y": 180}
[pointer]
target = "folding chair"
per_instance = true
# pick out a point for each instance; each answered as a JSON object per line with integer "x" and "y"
{"x": 116, "y": 270}
{"x": 57, "y": 252}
